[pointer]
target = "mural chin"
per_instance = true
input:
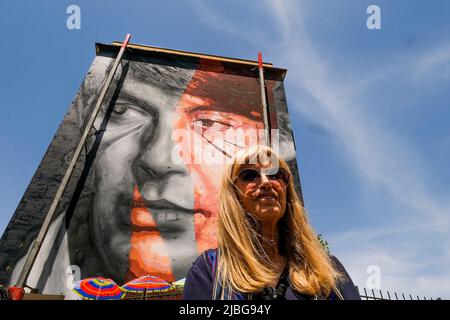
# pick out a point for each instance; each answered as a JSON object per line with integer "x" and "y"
{"x": 163, "y": 241}
{"x": 110, "y": 232}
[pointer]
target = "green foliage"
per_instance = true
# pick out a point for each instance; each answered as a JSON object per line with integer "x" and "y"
{"x": 323, "y": 242}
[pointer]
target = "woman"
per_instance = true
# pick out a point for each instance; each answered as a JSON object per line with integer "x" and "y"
{"x": 266, "y": 247}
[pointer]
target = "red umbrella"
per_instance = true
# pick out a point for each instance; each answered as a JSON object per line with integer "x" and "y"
{"x": 146, "y": 284}
{"x": 98, "y": 288}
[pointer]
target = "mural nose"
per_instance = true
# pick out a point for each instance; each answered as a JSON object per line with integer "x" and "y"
{"x": 159, "y": 156}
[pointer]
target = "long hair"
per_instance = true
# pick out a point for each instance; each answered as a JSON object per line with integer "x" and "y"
{"x": 243, "y": 266}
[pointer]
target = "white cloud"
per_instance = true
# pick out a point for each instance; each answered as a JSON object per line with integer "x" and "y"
{"x": 399, "y": 273}
{"x": 216, "y": 21}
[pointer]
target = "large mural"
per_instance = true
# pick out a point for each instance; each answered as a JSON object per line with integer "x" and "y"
{"x": 144, "y": 195}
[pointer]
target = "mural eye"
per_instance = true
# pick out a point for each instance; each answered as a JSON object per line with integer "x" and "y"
{"x": 208, "y": 124}
{"x": 120, "y": 109}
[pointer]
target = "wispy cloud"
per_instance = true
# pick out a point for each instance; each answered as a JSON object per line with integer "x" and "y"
{"x": 411, "y": 247}
{"x": 217, "y": 21}
{"x": 383, "y": 158}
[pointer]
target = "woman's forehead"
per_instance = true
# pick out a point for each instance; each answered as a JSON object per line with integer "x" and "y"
{"x": 258, "y": 165}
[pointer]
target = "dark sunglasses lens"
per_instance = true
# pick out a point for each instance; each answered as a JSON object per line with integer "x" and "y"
{"x": 280, "y": 175}
{"x": 285, "y": 176}
{"x": 249, "y": 175}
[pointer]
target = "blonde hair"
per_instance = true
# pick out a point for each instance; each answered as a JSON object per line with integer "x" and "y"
{"x": 242, "y": 265}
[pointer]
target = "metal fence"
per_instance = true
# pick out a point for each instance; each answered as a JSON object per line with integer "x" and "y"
{"x": 371, "y": 294}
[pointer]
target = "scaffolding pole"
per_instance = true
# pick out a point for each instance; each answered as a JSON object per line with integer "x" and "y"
{"x": 28, "y": 266}
{"x": 267, "y": 139}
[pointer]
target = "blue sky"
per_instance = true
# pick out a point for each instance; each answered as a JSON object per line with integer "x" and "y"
{"x": 370, "y": 109}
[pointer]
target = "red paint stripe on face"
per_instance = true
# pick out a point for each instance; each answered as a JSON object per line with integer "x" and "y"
{"x": 148, "y": 253}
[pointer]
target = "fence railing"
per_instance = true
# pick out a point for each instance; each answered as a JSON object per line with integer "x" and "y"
{"x": 365, "y": 294}
{"x": 371, "y": 294}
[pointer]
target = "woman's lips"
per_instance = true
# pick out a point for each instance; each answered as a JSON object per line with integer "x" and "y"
{"x": 267, "y": 198}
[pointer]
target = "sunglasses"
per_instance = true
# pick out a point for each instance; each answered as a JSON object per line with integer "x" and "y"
{"x": 278, "y": 175}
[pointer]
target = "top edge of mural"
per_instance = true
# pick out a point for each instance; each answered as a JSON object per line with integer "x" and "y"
{"x": 277, "y": 73}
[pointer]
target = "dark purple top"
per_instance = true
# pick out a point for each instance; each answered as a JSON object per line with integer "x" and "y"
{"x": 199, "y": 281}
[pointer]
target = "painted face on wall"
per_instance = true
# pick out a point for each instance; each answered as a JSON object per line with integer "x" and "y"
{"x": 144, "y": 196}
{"x": 221, "y": 113}
{"x": 158, "y": 169}
{"x": 141, "y": 218}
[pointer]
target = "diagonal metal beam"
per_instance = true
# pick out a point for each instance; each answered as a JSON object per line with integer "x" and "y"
{"x": 28, "y": 266}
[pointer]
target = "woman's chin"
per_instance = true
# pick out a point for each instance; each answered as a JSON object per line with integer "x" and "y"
{"x": 269, "y": 212}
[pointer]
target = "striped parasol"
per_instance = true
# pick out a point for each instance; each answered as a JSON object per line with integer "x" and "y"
{"x": 147, "y": 284}
{"x": 98, "y": 288}
{"x": 179, "y": 285}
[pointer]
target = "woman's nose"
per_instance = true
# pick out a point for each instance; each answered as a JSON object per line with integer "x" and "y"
{"x": 265, "y": 181}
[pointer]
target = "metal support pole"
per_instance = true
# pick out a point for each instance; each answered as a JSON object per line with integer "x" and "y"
{"x": 26, "y": 270}
{"x": 267, "y": 141}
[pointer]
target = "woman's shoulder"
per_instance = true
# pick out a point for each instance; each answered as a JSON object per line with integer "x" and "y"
{"x": 198, "y": 283}
{"x": 210, "y": 256}
{"x": 346, "y": 286}
{"x": 209, "y": 252}
{"x": 339, "y": 267}
{"x": 337, "y": 263}
{"x": 206, "y": 261}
